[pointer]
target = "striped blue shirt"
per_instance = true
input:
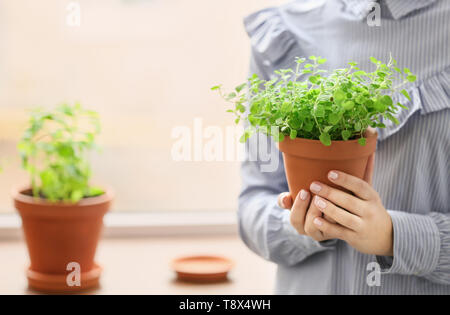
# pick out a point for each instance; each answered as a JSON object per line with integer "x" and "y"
{"x": 412, "y": 166}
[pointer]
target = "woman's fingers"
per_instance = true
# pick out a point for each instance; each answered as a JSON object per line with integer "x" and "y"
{"x": 332, "y": 230}
{"x": 302, "y": 213}
{"x": 341, "y": 216}
{"x": 298, "y": 211}
{"x": 284, "y": 200}
{"x": 338, "y": 197}
{"x": 360, "y": 187}
{"x": 328, "y": 219}
{"x": 370, "y": 132}
{"x": 310, "y": 229}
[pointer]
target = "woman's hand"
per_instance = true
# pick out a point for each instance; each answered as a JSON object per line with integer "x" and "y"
{"x": 364, "y": 224}
{"x": 361, "y": 220}
{"x": 303, "y": 213}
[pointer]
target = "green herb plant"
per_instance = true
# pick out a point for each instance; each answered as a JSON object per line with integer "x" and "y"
{"x": 54, "y": 152}
{"x": 312, "y": 103}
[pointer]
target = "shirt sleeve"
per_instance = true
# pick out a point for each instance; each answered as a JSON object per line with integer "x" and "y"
{"x": 264, "y": 226}
{"x": 421, "y": 246}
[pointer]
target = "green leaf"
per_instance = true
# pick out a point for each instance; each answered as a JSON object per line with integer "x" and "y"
{"x": 240, "y": 107}
{"x": 360, "y": 99}
{"x": 411, "y": 78}
{"x": 359, "y": 73}
{"x": 95, "y": 191}
{"x": 309, "y": 126}
{"x": 339, "y": 95}
{"x": 65, "y": 150}
{"x": 76, "y": 195}
{"x": 346, "y": 134}
{"x": 286, "y": 107}
{"x": 230, "y": 96}
{"x": 244, "y": 136}
{"x": 379, "y": 106}
{"x": 369, "y": 103}
{"x": 314, "y": 79}
{"x": 348, "y": 105}
{"x": 362, "y": 141}
{"x": 386, "y": 100}
{"x": 240, "y": 87}
{"x": 293, "y": 134}
{"x": 325, "y": 138}
{"x": 319, "y": 111}
{"x": 406, "y": 94}
{"x": 392, "y": 118}
{"x": 402, "y": 106}
{"x": 294, "y": 122}
{"x": 334, "y": 118}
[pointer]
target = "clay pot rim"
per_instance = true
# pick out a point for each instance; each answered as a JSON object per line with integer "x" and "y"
{"x": 18, "y": 196}
{"x": 341, "y": 142}
{"x": 338, "y": 150}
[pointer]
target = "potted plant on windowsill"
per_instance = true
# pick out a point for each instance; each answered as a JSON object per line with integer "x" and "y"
{"x": 62, "y": 215}
{"x": 322, "y": 122}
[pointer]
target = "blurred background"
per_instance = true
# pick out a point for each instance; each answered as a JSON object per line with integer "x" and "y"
{"x": 146, "y": 66}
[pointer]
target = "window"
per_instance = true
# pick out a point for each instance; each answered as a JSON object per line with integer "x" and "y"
{"x": 147, "y": 67}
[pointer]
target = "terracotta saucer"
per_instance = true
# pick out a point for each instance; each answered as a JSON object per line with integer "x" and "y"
{"x": 202, "y": 268}
{"x": 52, "y": 283}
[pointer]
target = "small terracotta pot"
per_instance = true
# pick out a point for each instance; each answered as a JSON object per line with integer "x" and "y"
{"x": 307, "y": 160}
{"x": 58, "y": 234}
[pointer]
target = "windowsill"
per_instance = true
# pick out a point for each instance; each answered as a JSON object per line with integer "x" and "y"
{"x": 142, "y": 266}
{"x": 137, "y": 249}
{"x": 137, "y": 224}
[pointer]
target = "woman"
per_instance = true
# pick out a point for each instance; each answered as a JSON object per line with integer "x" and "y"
{"x": 389, "y": 238}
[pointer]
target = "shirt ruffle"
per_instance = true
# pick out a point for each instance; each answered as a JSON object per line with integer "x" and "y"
{"x": 277, "y": 47}
{"x": 271, "y": 38}
{"x": 427, "y": 96}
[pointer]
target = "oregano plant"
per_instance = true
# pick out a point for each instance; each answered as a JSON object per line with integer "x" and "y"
{"x": 312, "y": 103}
{"x": 54, "y": 151}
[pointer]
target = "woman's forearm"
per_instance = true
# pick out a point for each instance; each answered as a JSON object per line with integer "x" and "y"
{"x": 421, "y": 246}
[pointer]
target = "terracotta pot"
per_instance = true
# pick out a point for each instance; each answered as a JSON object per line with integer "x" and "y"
{"x": 59, "y": 233}
{"x": 307, "y": 160}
